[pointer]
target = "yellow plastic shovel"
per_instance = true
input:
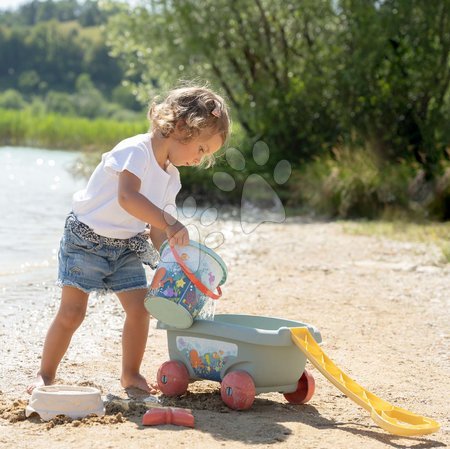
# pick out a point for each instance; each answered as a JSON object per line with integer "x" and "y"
{"x": 393, "y": 419}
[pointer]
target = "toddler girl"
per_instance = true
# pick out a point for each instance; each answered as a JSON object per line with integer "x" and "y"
{"x": 105, "y": 243}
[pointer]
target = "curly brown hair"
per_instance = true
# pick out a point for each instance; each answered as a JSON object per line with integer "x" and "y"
{"x": 191, "y": 110}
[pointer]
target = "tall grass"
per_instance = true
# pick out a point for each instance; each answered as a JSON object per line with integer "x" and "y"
{"x": 353, "y": 184}
{"x": 22, "y": 127}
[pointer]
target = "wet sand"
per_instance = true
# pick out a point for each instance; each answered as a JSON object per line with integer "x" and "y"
{"x": 382, "y": 307}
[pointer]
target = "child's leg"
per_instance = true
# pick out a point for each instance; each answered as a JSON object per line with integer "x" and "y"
{"x": 71, "y": 313}
{"x": 134, "y": 339}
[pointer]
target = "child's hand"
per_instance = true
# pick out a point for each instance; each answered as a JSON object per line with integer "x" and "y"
{"x": 177, "y": 234}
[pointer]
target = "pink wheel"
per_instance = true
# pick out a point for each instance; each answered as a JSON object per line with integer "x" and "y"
{"x": 238, "y": 390}
{"x": 173, "y": 378}
{"x": 305, "y": 389}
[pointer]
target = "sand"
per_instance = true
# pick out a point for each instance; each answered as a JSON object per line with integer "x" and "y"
{"x": 381, "y": 306}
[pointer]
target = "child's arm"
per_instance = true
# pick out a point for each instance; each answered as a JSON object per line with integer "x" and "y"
{"x": 140, "y": 207}
{"x": 157, "y": 237}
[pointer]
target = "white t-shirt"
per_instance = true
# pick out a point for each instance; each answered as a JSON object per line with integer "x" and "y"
{"x": 97, "y": 205}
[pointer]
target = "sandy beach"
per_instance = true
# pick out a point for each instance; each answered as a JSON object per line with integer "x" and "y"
{"x": 382, "y": 307}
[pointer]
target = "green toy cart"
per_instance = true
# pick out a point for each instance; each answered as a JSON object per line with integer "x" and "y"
{"x": 247, "y": 354}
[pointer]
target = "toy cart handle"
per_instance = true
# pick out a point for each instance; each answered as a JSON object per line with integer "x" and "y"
{"x": 202, "y": 287}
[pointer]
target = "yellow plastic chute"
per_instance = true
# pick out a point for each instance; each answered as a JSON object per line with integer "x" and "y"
{"x": 389, "y": 417}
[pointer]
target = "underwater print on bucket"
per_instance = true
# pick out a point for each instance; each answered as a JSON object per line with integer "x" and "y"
{"x": 183, "y": 287}
{"x": 207, "y": 357}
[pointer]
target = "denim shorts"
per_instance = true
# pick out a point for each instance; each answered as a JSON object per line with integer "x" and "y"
{"x": 98, "y": 267}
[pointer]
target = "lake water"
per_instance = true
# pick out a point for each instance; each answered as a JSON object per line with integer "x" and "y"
{"x": 36, "y": 192}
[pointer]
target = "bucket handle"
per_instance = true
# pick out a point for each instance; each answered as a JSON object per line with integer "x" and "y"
{"x": 202, "y": 287}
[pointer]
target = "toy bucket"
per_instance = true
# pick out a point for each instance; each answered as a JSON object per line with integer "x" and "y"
{"x": 183, "y": 287}
{"x": 71, "y": 400}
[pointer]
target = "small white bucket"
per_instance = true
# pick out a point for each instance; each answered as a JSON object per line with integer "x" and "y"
{"x": 72, "y": 401}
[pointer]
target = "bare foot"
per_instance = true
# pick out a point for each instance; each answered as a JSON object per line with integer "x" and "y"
{"x": 138, "y": 381}
{"x": 39, "y": 381}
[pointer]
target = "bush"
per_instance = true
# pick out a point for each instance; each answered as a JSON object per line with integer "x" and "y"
{"x": 37, "y": 106}
{"x": 123, "y": 95}
{"x": 11, "y": 99}
{"x": 60, "y": 103}
{"x": 353, "y": 184}
{"x": 29, "y": 81}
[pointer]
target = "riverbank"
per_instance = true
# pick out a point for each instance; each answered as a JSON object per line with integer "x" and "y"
{"x": 381, "y": 306}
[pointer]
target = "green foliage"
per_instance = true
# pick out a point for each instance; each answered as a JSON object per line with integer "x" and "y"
{"x": 351, "y": 184}
{"x": 88, "y": 102}
{"x": 11, "y": 99}
{"x": 395, "y": 77}
{"x": 36, "y": 107}
{"x": 35, "y": 11}
{"x": 306, "y": 76}
{"x": 29, "y": 81}
{"x": 51, "y": 55}
{"x": 59, "y": 103}
{"x": 255, "y": 52}
{"x": 124, "y": 96}
{"x": 66, "y": 64}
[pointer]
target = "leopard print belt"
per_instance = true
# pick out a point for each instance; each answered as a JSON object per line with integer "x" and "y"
{"x": 139, "y": 243}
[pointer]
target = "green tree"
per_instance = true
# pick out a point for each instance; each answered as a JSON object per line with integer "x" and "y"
{"x": 124, "y": 96}
{"x": 14, "y": 55}
{"x": 28, "y": 13}
{"x": 57, "y": 55}
{"x": 306, "y": 75}
{"x": 104, "y": 71}
{"x": 89, "y": 100}
{"x": 29, "y": 81}
{"x": 11, "y": 99}
{"x": 60, "y": 103}
{"x": 396, "y": 77}
{"x": 90, "y": 14}
{"x": 86, "y": 12}
{"x": 273, "y": 63}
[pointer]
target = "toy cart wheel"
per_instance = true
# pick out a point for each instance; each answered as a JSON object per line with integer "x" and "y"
{"x": 238, "y": 390}
{"x": 305, "y": 389}
{"x": 173, "y": 378}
